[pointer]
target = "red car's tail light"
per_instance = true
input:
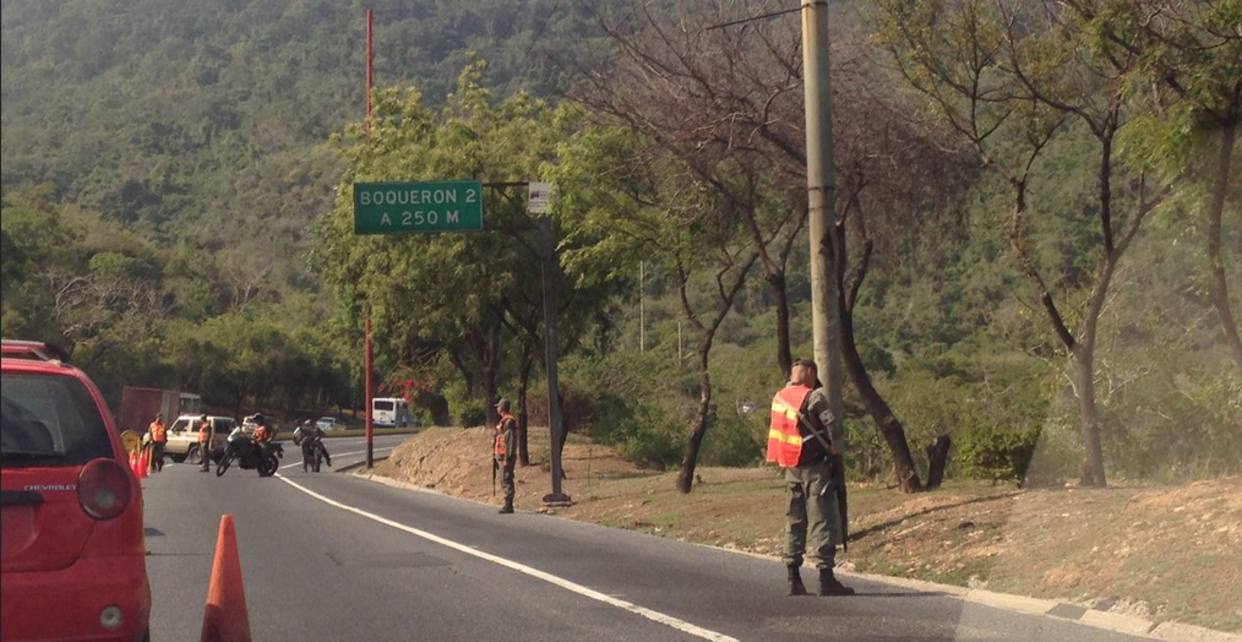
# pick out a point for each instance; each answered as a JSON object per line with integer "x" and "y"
{"x": 103, "y": 488}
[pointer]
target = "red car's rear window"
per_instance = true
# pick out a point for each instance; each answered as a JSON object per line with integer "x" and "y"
{"x": 49, "y": 420}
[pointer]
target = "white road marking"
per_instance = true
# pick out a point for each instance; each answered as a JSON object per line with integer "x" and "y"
{"x": 356, "y": 452}
{"x": 655, "y": 616}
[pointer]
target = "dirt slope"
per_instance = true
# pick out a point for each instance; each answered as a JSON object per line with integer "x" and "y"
{"x": 1159, "y": 552}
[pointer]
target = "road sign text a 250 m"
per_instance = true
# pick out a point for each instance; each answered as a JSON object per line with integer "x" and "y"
{"x": 400, "y": 208}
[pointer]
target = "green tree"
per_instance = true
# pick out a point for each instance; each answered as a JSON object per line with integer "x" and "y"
{"x": 992, "y": 71}
{"x": 461, "y": 295}
{"x": 626, "y": 190}
{"x": 1189, "y": 57}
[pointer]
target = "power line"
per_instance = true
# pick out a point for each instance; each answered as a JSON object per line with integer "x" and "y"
{"x": 753, "y": 19}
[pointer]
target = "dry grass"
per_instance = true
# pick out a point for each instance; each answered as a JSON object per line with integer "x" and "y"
{"x": 1158, "y": 552}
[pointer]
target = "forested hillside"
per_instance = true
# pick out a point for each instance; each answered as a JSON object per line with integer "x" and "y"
{"x": 205, "y": 122}
{"x": 181, "y": 149}
{"x": 1036, "y": 242}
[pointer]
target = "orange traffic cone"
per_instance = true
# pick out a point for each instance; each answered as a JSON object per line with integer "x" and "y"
{"x": 226, "y": 618}
{"x": 142, "y": 464}
{"x": 133, "y": 463}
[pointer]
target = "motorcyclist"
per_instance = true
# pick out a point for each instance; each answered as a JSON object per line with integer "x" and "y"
{"x": 238, "y": 442}
{"x": 311, "y": 437}
{"x": 257, "y": 450}
{"x": 262, "y": 435}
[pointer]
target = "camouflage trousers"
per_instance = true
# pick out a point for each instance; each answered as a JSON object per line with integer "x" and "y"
{"x": 506, "y": 483}
{"x": 812, "y": 509}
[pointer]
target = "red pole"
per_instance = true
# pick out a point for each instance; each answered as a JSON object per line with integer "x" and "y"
{"x": 367, "y": 383}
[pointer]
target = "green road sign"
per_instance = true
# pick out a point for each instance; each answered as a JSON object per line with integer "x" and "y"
{"x": 403, "y": 208}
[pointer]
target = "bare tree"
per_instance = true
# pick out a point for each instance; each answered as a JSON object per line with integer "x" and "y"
{"x": 728, "y": 104}
{"x": 696, "y": 93}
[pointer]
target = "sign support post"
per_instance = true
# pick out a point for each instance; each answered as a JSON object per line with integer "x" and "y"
{"x": 549, "y": 272}
{"x": 366, "y": 398}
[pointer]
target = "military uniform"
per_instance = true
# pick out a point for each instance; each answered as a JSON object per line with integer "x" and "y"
{"x": 204, "y": 443}
{"x": 802, "y": 424}
{"x": 504, "y": 452}
{"x": 159, "y": 437}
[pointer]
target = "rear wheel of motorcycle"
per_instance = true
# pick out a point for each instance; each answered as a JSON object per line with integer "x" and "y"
{"x": 268, "y": 465}
{"x": 223, "y": 465}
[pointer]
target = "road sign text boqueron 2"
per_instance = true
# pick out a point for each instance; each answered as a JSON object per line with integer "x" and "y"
{"x": 402, "y": 208}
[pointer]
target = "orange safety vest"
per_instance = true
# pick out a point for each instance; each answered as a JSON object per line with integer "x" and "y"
{"x": 498, "y": 449}
{"x": 204, "y": 432}
{"x": 158, "y": 434}
{"x": 260, "y": 434}
{"x": 784, "y": 440}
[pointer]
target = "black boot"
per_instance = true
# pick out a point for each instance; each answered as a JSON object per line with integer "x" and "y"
{"x": 506, "y": 509}
{"x": 795, "y": 581}
{"x": 830, "y": 585}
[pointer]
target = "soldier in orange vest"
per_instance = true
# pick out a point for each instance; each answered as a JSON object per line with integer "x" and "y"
{"x": 204, "y": 443}
{"x": 800, "y": 440}
{"x": 159, "y": 437}
{"x": 504, "y": 452}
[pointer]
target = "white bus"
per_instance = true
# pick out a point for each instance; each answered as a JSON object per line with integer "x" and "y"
{"x": 391, "y": 411}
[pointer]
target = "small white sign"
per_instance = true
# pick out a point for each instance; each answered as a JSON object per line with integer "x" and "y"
{"x": 540, "y": 198}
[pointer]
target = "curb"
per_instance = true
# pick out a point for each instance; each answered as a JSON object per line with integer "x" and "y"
{"x": 393, "y": 483}
{"x": 1191, "y": 633}
{"x": 1115, "y": 622}
{"x": 355, "y": 466}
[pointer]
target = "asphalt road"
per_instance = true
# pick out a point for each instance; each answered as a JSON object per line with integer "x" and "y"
{"x": 334, "y": 557}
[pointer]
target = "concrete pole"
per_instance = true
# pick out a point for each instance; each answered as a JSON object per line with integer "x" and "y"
{"x": 821, "y": 191}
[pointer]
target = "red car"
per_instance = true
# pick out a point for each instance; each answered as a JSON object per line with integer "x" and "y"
{"x": 72, "y": 553}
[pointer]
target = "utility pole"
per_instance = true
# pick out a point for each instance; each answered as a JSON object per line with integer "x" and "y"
{"x": 642, "y": 310}
{"x": 551, "y": 284}
{"x": 821, "y": 192}
{"x": 367, "y": 356}
{"x": 370, "y": 71}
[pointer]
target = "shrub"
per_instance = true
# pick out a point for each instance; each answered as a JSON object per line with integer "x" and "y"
{"x": 578, "y": 411}
{"x": 467, "y": 409}
{"x": 472, "y": 412}
{"x": 999, "y": 454}
{"x": 732, "y": 440}
{"x": 651, "y": 440}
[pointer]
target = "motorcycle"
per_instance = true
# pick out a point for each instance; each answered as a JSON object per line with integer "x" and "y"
{"x": 251, "y": 456}
{"x": 313, "y": 450}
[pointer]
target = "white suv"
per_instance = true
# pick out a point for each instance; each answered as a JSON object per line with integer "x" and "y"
{"x": 183, "y": 437}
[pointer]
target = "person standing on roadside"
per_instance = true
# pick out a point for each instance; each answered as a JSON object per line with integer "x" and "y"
{"x": 800, "y": 441}
{"x": 159, "y": 437}
{"x": 204, "y": 442}
{"x": 504, "y": 452}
